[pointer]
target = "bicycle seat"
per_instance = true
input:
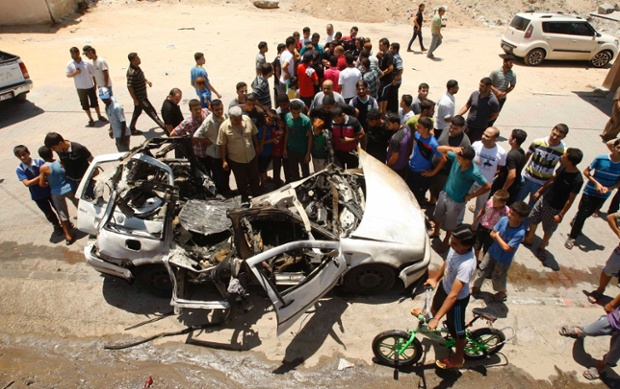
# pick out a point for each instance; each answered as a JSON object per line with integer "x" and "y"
{"x": 485, "y": 315}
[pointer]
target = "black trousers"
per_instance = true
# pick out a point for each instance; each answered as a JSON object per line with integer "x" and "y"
{"x": 247, "y": 178}
{"x": 587, "y": 206}
{"x": 346, "y": 159}
{"x": 47, "y": 207}
{"x": 295, "y": 161}
{"x": 146, "y": 106}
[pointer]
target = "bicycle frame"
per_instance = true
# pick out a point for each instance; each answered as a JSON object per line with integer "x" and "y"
{"x": 425, "y": 316}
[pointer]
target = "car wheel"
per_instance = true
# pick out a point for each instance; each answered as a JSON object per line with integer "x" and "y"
{"x": 601, "y": 59}
{"x": 370, "y": 279}
{"x": 20, "y": 98}
{"x": 535, "y": 57}
{"x": 155, "y": 280}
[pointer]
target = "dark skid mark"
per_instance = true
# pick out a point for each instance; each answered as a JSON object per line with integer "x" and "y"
{"x": 12, "y": 251}
{"x": 522, "y": 277}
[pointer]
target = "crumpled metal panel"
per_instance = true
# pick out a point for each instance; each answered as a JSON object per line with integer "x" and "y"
{"x": 207, "y": 216}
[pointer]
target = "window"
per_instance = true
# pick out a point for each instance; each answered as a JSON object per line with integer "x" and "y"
{"x": 581, "y": 28}
{"x": 519, "y": 23}
{"x": 557, "y": 27}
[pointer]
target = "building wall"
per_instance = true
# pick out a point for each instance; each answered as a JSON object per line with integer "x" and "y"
{"x": 19, "y": 12}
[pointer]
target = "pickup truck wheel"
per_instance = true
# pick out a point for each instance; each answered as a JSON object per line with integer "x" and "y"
{"x": 20, "y": 98}
{"x": 370, "y": 279}
{"x": 155, "y": 280}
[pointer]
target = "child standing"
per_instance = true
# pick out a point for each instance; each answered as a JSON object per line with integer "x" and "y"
{"x": 277, "y": 133}
{"x": 405, "y": 111}
{"x": 203, "y": 92}
{"x": 507, "y": 234}
{"x": 322, "y": 152}
{"x": 555, "y": 198}
{"x": 494, "y": 209}
{"x": 28, "y": 174}
{"x": 53, "y": 175}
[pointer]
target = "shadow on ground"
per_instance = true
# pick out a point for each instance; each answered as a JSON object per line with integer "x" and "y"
{"x": 13, "y": 112}
{"x": 598, "y": 100}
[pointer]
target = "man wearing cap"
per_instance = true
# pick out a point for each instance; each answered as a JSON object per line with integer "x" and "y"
{"x": 118, "y": 126}
{"x": 82, "y": 74}
{"x": 239, "y": 146}
{"x": 100, "y": 68}
{"x": 136, "y": 85}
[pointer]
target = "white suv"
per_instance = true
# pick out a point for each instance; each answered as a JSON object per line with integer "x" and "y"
{"x": 539, "y": 36}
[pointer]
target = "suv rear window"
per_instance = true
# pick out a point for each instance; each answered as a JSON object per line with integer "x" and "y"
{"x": 519, "y": 23}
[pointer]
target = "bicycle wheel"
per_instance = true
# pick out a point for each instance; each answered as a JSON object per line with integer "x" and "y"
{"x": 386, "y": 344}
{"x": 493, "y": 340}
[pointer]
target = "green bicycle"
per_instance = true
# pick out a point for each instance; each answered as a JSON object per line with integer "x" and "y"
{"x": 398, "y": 348}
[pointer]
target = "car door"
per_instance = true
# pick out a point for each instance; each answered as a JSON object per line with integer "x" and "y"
{"x": 558, "y": 38}
{"x": 583, "y": 41}
{"x": 291, "y": 303}
{"x": 91, "y": 208}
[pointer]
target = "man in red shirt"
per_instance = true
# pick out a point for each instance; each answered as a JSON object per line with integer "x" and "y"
{"x": 307, "y": 78}
{"x": 346, "y": 135}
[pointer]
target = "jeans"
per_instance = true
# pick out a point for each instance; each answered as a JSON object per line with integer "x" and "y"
{"x": 418, "y": 184}
{"x": 146, "y": 106}
{"x": 528, "y": 188}
{"x": 587, "y": 206}
{"x": 435, "y": 43}
{"x": 602, "y": 327}
{"x": 122, "y": 148}
{"x": 416, "y": 33}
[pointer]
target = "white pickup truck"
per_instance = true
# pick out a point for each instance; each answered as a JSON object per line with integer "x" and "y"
{"x": 15, "y": 82}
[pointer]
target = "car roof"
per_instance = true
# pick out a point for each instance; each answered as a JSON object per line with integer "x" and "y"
{"x": 550, "y": 16}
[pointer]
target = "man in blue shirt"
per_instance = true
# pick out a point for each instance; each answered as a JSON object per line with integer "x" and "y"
{"x": 199, "y": 71}
{"x": 421, "y": 162}
{"x": 454, "y": 196}
{"x": 603, "y": 177}
{"x": 28, "y": 174}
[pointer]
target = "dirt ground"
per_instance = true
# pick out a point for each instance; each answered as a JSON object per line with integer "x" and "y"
{"x": 37, "y": 274}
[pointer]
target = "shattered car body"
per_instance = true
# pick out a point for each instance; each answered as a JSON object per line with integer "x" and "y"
{"x": 358, "y": 229}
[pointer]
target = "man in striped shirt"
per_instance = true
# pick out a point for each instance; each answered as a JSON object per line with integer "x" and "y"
{"x": 603, "y": 177}
{"x": 190, "y": 125}
{"x": 543, "y": 156}
{"x": 136, "y": 85}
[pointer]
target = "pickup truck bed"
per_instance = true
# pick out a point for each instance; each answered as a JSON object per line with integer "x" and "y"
{"x": 15, "y": 81}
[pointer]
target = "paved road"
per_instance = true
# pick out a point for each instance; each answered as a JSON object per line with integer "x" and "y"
{"x": 48, "y": 291}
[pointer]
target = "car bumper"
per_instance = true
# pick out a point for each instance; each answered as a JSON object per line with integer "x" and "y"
{"x": 412, "y": 273}
{"x": 14, "y": 90}
{"x": 105, "y": 267}
{"x": 511, "y": 48}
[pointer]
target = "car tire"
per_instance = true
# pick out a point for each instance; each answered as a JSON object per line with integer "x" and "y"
{"x": 154, "y": 279}
{"x": 601, "y": 59}
{"x": 535, "y": 57}
{"x": 370, "y": 279}
{"x": 20, "y": 98}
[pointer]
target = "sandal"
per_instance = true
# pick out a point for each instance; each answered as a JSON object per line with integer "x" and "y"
{"x": 570, "y": 243}
{"x": 594, "y": 297}
{"x": 102, "y": 119}
{"x": 500, "y": 297}
{"x": 69, "y": 242}
{"x": 569, "y": 332}
{"x": 90, "y": 124}
{"x": 592, "y": 374}
{"x": 446, "y": 364}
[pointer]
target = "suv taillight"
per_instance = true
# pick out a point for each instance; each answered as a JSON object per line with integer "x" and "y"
{"x": 528, "y": 32}
{"x": 22, "y": 66}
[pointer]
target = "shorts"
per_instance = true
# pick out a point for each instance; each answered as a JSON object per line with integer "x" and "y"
{"x": 455, "y": 317}
{"x": 60, "y": 204}
{"x": 319, "y": 164}
{"x": 541, "y": 211}
{"x": 263, "y": 163}
{"x": 447, "y": 211}
{"x": 384, "y": 91}
{"x": 85, "y": 95}
{"x": 483, "y": 238}
{"x": 498, "y": 272}
{"x": 612, "y": 266}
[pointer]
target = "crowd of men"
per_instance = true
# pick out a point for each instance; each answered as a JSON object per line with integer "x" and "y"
{"x": 332, "y": 97}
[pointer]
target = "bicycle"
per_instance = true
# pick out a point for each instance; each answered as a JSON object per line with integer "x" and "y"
{"x": 397, "y": 348}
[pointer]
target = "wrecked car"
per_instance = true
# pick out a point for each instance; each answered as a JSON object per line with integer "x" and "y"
{"x": 158, "y": 219}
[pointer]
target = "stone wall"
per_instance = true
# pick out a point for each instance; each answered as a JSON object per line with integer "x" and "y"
{"x": 20, "y": 12}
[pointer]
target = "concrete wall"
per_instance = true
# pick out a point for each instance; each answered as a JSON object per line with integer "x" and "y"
{"x": 19, "y": 12}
